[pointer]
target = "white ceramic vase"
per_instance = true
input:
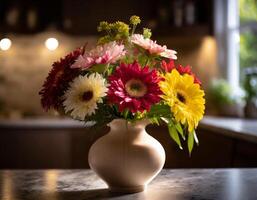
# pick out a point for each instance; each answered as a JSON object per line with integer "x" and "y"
{"x": 127, "y": 158}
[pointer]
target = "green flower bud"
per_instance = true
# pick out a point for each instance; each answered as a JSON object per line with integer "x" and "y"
{"x": 104, "y": 39}
{"x": 134, "y": 20}
{"x": 120, "y": 28}
{"x": 103, "y": 26}
{"x": 147, "y": 33}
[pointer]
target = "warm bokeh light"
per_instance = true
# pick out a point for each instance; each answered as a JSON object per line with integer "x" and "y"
{"x": 51, "y": 44}
{"x": 5, "y": 44}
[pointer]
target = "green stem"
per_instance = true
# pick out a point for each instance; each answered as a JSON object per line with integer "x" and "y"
{"x": 106, "y": 68}
{"x": 147, "y": 61}
{"x": 133, "y": 30}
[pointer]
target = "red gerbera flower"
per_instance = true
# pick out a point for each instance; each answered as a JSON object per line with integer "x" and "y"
{"x": 168, "y": 67}
{"x": 187, "y": 70}
{"x": 134, "y": 87}
{"x": 58, "y": 81}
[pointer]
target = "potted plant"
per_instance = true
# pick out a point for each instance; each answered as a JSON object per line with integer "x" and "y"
{"x": 223, "y": 100}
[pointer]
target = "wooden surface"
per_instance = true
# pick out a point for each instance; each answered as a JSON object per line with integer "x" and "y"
{"x": 43, "y": 144}
{"x": 211, "y": 184}
{"x": 244, "y": 129}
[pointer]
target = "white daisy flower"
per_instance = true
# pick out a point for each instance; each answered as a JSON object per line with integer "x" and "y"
{"x": 83, "y": 95}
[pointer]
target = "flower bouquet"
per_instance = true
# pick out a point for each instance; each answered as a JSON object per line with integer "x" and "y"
{"x": 128, "y": 78}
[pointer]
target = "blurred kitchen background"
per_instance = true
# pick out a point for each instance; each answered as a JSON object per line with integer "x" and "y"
{"x": 218, "y": 38}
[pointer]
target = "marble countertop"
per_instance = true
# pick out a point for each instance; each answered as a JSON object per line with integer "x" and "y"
{"x": 245, "y": 129}
{"x": 178, "y": 184}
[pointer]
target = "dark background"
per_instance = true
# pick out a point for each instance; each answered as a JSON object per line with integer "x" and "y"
{"x": 80, "y": 17}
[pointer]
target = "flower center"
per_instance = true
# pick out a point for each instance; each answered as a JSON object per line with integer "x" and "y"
{"x": 136, "y": 88}
{"x": 88, "y": 95}
{"x": 181, "y": 97}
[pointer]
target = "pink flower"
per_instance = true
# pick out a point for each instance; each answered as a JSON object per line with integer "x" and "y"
{"x": 153, "y": 47}
{"x": 102, "y": 54}
{"x": 168, "y": 53}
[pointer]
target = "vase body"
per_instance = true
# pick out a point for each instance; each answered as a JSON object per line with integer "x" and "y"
{"x": 127, "y": 158}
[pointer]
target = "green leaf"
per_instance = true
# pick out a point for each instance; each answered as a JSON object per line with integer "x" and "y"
{"x": 190, "y": 142}
{"x": 180, "y": 130}
{"x": 174, "y": 135}
{"x": 126, "y": 113}
{"x": 100, "y": 68}
{"x": 103, "y": 115}
{"x": 154, "y": 120}
{"x": 160, "y": 110}
{"x": 110, "y": 70}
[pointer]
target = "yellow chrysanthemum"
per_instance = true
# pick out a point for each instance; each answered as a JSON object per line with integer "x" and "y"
{"x": 184, "y": 97}
{"x": 83, "y": 95}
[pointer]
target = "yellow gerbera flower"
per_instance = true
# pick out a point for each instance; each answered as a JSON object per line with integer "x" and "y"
{"x": 83, "y": 95}
{"x": 184, "y": 97}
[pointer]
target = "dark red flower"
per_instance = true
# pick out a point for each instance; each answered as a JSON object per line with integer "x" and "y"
{"x": 187, "y": 70}
{"x": 134, "y": 87}
{"x": 184, "y": 70}
{"x": 58, "y": 81}
{"x": 168, "y": 67}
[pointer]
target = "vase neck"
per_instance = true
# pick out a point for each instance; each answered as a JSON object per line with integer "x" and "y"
{"x": 122, "y": 126}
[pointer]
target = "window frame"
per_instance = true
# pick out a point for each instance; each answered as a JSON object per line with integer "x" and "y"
{"x": 227, "y": 32}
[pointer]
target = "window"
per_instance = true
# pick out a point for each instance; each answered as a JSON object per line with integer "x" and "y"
{"x": 236, "y": 33}
{"x": 227, "y": 35}
{"x": 248, "y": 47}
{"x": 248, "y": 33}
